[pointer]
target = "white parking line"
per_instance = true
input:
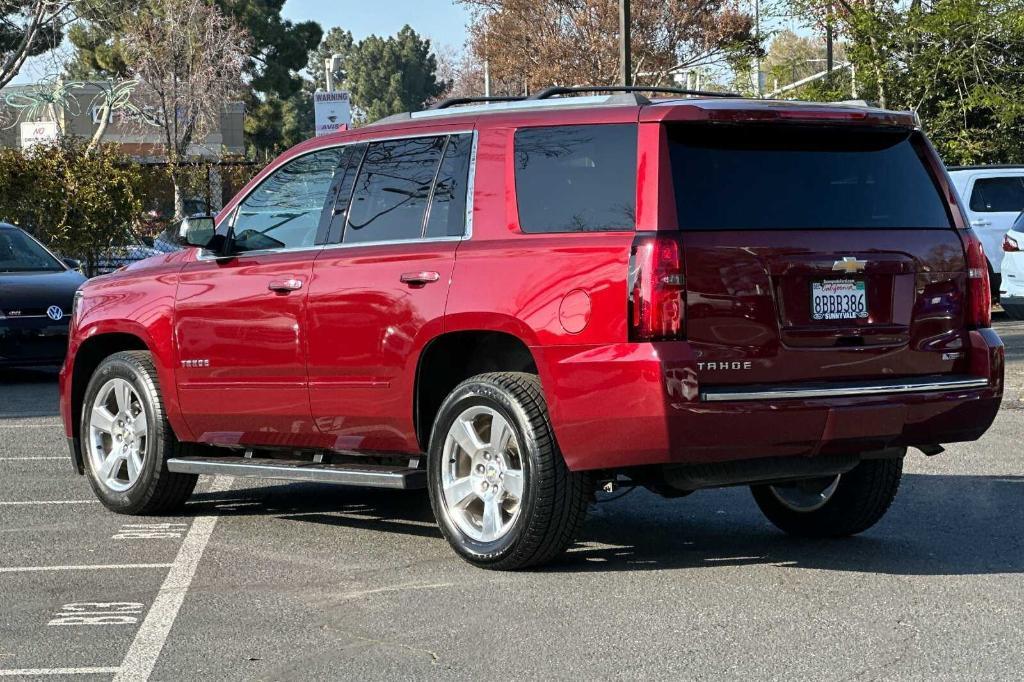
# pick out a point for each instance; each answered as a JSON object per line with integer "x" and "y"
{"x": 97, "y": 567}
{"x": 29, "y": 672}
{"x": 22, "y": 459}
{"x": 31, "y": 502}
{"x": 149, "y": 640}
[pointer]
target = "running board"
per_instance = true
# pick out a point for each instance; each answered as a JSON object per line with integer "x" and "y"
{"x": 367, "y": 475}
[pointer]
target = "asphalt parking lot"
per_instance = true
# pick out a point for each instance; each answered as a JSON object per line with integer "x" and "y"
{"x": 302, "y": 581}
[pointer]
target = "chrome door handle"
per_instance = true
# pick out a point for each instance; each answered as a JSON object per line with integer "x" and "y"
{"x": 285, "y": 286}
{"x": 419, "y": 279}
{"x": 981, "y": 223}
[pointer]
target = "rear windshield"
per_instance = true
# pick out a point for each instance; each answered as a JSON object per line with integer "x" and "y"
{"x": 777, "y": 178}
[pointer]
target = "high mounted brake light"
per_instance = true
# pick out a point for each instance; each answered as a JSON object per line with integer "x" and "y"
{"x": 656, "y": 288}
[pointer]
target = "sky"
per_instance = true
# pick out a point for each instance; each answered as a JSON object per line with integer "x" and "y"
{"x": 442, "y": 21}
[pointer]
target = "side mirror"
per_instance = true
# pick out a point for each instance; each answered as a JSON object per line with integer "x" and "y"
{"x": 73, "y": 263}
{"x": 196, "y": 231}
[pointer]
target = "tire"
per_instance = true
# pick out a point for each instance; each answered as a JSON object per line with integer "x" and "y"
{"x": 1014, "y": 312}
{"x": 553, "y": 501}
{"x": 154, "y": 489}
{"x": 860, "y": 498}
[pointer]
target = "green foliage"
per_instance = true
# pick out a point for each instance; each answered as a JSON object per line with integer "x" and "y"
{"x": 279, "y": 47}
{"x": 97, "y": 39}
{"x": 958, "y": 63}
{"x": 273, "y": 124}
{"x": 385, "y": 75}
{"x": 337, "y": 41}
{"x": 79, "y": 203}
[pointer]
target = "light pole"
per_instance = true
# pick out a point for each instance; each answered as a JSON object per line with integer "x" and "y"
{"x": 625, "y": 47}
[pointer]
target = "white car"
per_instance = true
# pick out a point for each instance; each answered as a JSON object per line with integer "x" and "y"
{"x": 993, "y": 197}
{"x": 1011, "y": 290}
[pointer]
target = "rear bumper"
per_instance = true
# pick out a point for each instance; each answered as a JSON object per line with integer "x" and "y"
{"x": 640, "y": 404}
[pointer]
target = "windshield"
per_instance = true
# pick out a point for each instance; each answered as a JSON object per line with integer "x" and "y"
{"x": 761, "y": 178}
{"x": 21, "y": 253}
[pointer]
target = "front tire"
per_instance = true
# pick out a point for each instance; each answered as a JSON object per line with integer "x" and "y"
{"x": 500, "y": 490}
{"x": 831, "y": 507}
{"x": 126, "y": 439}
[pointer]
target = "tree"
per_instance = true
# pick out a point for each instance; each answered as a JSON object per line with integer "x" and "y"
{"x": 337, "y": 41}
{"x": 958, "y": 63}
{"x": 79, "y": 202}
{"x": 533, "y": 43}
{"x": 274, "y": 124}
{"x": 28, "y": 28}
{"x": 390, "y": 75}
{"x": 792, "y": 57}
{"x": 190, "y": 56}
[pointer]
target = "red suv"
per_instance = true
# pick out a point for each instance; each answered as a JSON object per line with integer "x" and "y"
{"x": 514, "y": 303}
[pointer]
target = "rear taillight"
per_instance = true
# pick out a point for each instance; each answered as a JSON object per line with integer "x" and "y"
{"x": 656, "y": 288}
{"x": 1010, "y": 244}
{"x": 979, "y": 293}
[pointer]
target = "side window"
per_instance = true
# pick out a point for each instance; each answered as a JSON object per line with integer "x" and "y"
{"x": 390, "y": 198}
{"x": 447, "y": 215}
{"x": 284, "y": 211}
{"x": 576, "y": 178}
{"x": 998, "y": 195}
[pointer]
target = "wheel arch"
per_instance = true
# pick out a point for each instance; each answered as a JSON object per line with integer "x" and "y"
{"x": 450, "y": 358}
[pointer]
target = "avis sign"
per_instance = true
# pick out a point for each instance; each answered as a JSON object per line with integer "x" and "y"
{"x": 333, "y": 112}
{"x": 38, "y": 132}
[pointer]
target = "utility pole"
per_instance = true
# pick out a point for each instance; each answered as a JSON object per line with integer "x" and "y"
{"x": 828, "y": 40}
{"x": 757, "y": 42}
{"x": 625, "y": 46}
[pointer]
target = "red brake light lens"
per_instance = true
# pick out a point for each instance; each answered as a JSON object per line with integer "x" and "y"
{"x": 1010, "y": 244}
{"x": 656, "y": 288}
{"x": 979, "y": 292}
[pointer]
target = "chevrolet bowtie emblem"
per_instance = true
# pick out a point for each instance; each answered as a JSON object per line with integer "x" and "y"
{"x": 849, "y": 264}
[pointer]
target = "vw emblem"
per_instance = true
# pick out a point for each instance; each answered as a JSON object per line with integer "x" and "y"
{"x": 55, "y": 313}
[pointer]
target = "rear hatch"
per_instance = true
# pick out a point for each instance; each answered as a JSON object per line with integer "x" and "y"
{"x": 815, "y": 253}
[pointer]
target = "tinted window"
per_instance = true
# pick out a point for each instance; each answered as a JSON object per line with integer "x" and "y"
{"x": 761, "y": 178}
{"x": 994, "y": 195}
{"x": 284, "y": 211}
{"x": 391, "y": 192}
{"x": 576, "y": 178}
{"x": 447, "y": 217}
{"x": 21, "y": 253}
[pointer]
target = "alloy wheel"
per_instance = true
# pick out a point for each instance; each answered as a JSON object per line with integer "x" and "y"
{"x": 808, "y": 495}
{"x": 482, "y": 474}
{"x": 118, "y": 435}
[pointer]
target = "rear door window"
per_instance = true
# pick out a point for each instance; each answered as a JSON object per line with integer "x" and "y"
{"x": 392, "y": 190}
{"x": 998, "y": 195}
{"x": 447, "y": 217}
{"x": 576, "y": 178}
{"x": 777, "y": 178}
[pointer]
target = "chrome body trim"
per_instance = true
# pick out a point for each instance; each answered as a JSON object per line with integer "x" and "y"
{"x": 844, "y": 390}
{"x": 367, "y": 475}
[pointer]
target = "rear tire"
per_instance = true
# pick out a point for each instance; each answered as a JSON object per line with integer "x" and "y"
{"x": 506, "y": 458}
{"x": 123, "y": 419}
{"x": 858, "y": 500}
{"x": 1014, "y": 312}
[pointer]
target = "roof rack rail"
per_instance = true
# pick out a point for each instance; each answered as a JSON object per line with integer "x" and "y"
{"x": 455, "y": 101}
{"x": 567, "y": 90}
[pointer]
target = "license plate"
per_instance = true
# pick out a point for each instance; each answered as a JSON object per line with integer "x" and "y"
{"x": 838, "y": 299}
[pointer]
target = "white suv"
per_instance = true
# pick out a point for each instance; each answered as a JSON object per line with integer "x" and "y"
{"x": 993, "y": 197}
{"x": 1011, "y": 290}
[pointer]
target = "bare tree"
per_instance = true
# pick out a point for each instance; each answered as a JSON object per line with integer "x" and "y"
{"x": 190, "y": 57}
{"x": 534, "y": 43}
{"x": 28, "y": 28}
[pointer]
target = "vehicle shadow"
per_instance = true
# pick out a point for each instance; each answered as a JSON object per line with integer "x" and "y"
{"x": 28, "y": 392}
{"x": 938, "y": 525}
